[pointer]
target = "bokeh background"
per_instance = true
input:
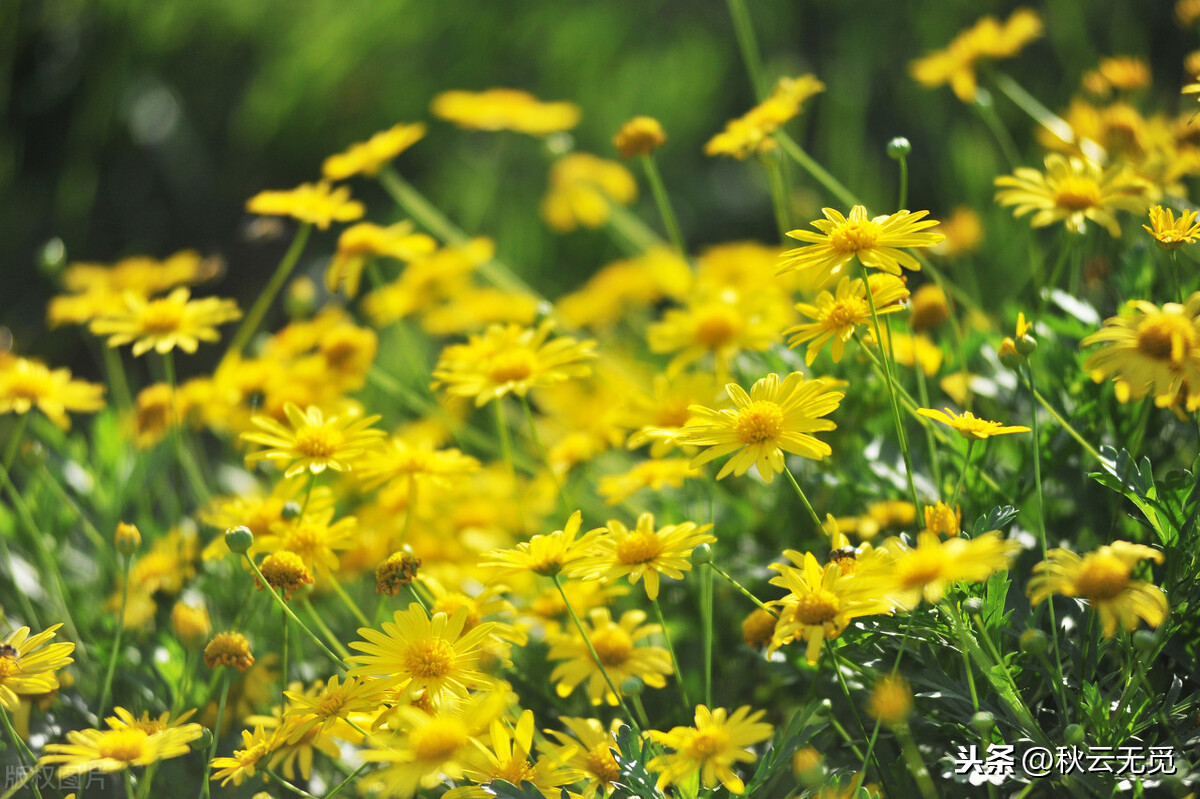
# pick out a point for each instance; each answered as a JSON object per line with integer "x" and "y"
{"x": 142, "y": 126}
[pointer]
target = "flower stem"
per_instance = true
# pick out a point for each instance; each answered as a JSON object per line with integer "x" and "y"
{"x": 663, "y": 202}
{"x": 320, "y": 624}
{"x": 296, "y": 619}
{"x": 604, "y": 672}
{"x": 212, "y": 752}
{"x": 742, "y": 589}
{"x": 962, "y": 476}
{"x": 662, "y": 622}
{"x": 779, "y": 195}
{"x": 351, "y": 778}
{"x": 706, "y": 614}
{"x": 916, "y": 766}
{"x": 837, "y": 668}
{"x": 902, "y": 197}
{"x": 1058, "y": 417}
{"x": 112, "y": 658}
{"x": 14, "y": 443}
{"x": 253, "y": 319}
{"x": 285, "y": 784}
{"x": 347, "y": 600}
{"x": 312, "y": 482}
{"x": 545, "y": 456}
{"x": 743, "y": 28}
{"x": 804, "y": 499}
{"x": 22, "y": 749}
{"x": 809, "y": 165}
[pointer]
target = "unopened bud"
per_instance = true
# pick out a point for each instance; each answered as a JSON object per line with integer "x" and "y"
{"x": 702, "y": 554}
{"x": 973, "y": 606}
{"x": 128, "y": 539}
{"x": 1009, "y": 356}
{"x": 239, "y": 539}
{"x": 1034, "y": 642}
{"x": 898, "y": 148}
{"x": 983, "y": 722}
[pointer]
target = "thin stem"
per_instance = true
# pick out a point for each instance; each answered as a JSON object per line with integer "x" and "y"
{"x": 14, "y": 442}
{"x": 112, "y": 658}
{"x": 818, "y": 173}
{"x": 916, "y": 766}
{"x": 743, "y": 28}
{"x": 284, "y": 660}
{"x": 779, "y": 200}
{"x": 114, "y": 367}
{"x": 901, "y": 202}
{"x": 1175, "y": 275}
{"x": 706, "y": 614}
{"x": 837, "y": 668}
{"x": 212, "y": 752}
{"x": 1008, "y": 148}
{"x": 279, "y": 601}
{"x": 285, "y": 784}
{"x": 312, "y": 482}
{"x": 640, "y": 709}
{"x": 544, "y": 455}
{"x": 30, "y": 773}
{"x": 1031, "y": 106}
{"x": 662, "y": 622}
{"x": 962, "y": 476}
{"x": 604, "y": 672}
{"x": 324, "y": 628}
{"x": 347, "y": 600}
{"x": 663, "y": 202}
{"x": 253, "y": 319}
{"x": 351, "y": 778}
{"x": 417, "y": 597}
{"x": 742, "y": 589}
{"x": 128, "y": 784}
{"x": 632, "y": 234}
{"x": 22, "y": 749}
{"x": 930, "y": 440}
{"x": 804, "y": 499}
{"x": 875, "y": 731}
{"x": 1058, "y": 417}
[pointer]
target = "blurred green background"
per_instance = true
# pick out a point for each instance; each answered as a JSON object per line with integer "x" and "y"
{"x": 142, "y": 126}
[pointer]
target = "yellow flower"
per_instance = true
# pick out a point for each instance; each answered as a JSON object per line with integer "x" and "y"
{"x": 1103, "y": 579}
{"x": 505, "y": 109}
{"x": 228, "y": 649}
{"x": 1187, "y": 12}
{"x": 775, "y": 417}
{"x": 313, "y": 443}
{"x": 644, "y": 552}
{"x": 359, "y": 243}
{"x": 929, "y": 307}
{"x": 1073, "y": 190}
{"x": 721, "y": 324}
{"x": 821, "y": 601}
{"x": 28, "y": 664}
{"x": 876, "y": 243}
{"x": 166, "y": 323}
{"x": 190, "y": 623}
{"x": 912, "y": 351}
{"x": 639, "y": 136}
{"x": 940, "y": 519}
{"x": 925, "y": 571}
{"x": 836, "y": 316}
{"x": 333, "y": 701}
{"x": 986, "y": 39}
{"x": 510, "y": 359}
{"x": 414, "y": 460}
{"x": 1171, "y": 234}
{"x": 508, "y": 757}
{"x": 1150, "y": 350}
{"x": 547, "y": 555}
{"x": 582, "y": 191}
{"x": 750, "y": 133}
{"x": 26, "y": 384}
{"x": 589, "y": 749}
{"x": 149, "y": 725}
{"x": 616, "y": 645}
{"x": 285, "y": 572}
{"x": 367, "y": 158}
{"x": 963, "y": 231}
{"x": 313, "y": 203}
{"x": 655, "y": 474}
{"x": 1123, "y": 73}
{"x": 435, "y": 657}
{"x": 118, "y": 748}
{"x": 311, "y": 537}
{"x": 624, "y": 287}
{"x": 969, "y": 426}
{"x": 258, "y": 744}
{"x": 711, "y": 747}
{"x": 891, "y": 700}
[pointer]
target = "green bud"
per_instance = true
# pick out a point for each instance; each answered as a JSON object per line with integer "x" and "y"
{"x": 702, "y": 554}
{"x": 1073, "y": 735}
{"x": 52, "y": 257}
{"x": 128, "y": 539}
{"x": 1009, "y": 355}
{"x": 898, "y": 148}
{"x": 1026, "y": 345}
{"x": 1145, "y": 641}
{"x": 291, "y": 510}
{"x": 204, "y": 742}
{"x": 1034, "y": 642}
{"x": 973, "y": 606}
{"x": 239, "y": 539}
{"x": 632, "y": 687}
{"x": 983, "y": 722}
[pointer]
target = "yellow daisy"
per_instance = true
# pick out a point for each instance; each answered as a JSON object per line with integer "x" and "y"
{"x": 508, "y": 757}
{"x": 970, "y": 426}
{"x": 510, "y": 359}
{"x": 1103, "y": 579}
{"x": 837, "y": 315}
{"x": 244, "y": 763}
{"x": 928, "y": 569}
{"x": 27, "y": 664}
{"x": 751, "y": 133}
{"x": 312, "y": 537}
{"x": 118, "y": 748}
{"x": 616, "y": 645}
{"x": 26, "y": 384}
{"x": 583, "y": 190}
{"x": 359, "y": 243}
{"x": 712, "y": 747}
{"x": 165, "y": 323}
{"x": 644, "y": 552}
{"x": 1073, "y": 190}
{"x": 722, "y": 324}
{"x": 333, "y": 701}
{"x": 313, "y": 443}
{"x": 655, "y": 474}
{"x": 1172, "y": 233}
{"x": 775, "y": 417}
{"x": 368, "y": 157}
{"x": 986, "y": 39}
{"x": 556, "y": 553}
{"x": 313, "y": 203}
{"x": 505, "y": 109}
{"x": 876, "y": 243}
{"x": 588, "y": 748}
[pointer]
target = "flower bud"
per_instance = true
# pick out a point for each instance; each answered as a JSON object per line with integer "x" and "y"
{"x": 632, "y": 687}
{"x": 1026, "y": 345}
{"x": 52, "y": 257}
{"x": 639, "y": 136}
{"x": 983, "y": 722}
{"x": 1034, "y": 642}
{"x": 128, "y": 539}
{"x": 973, "y": 606}
{"x": 239, "y": 539}
{"x": 1145, "y": 641}
{"x": 702, "y": 554}
{"x": 396, "y": 572}
{"x": 898, "y": 148}
{"x": 1009, "y": 356}
{"x": 291, "y": 510}
{"x": 1073, "y": 735}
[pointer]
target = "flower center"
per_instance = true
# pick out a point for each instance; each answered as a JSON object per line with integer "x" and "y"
{"x": 920, "y": 568}
{"x": 514, "y": 771}
{"x": 759, "y": 421}
{"x": 438, "y": 739}
{"x": 716, "y": 327}
{"x": 511, "y": 365}
{"x": 8, "y": 667}
{"x": 431, "y": 658}
{"x": 162, "y": 316}
{"x": 818, "y": 607}
{"x": 1076, "y": 193}
{"x": 673, "y": 414}
{"x": 317, "y": 442}
{"x": 708, "y": 742}
{"x": 1166, "y": 337}
{"x": 846, "y": 313}
{"x": 640, "y": 547}
{"x": 29, "y": 385}
{"x": 602, "y": 765}
{"x": 1102, "y": 577}
{"x": 331, "y": 704}
{"x": 613, "y": 646}
{"x": 854, "y": 236}
{"x": 126, "y": 745}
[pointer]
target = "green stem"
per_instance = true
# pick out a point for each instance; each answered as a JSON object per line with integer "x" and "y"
{"x": 128, "y": 779}
{"x": 1008, "y": 148}
{"x": 903, "y": 194}
{"x": 837, "y": 668}
{"x": 337, "y": 788}
{"x": 115, "y": 369}
{"x": 962, "y": 476}
{"x": 630, "y": 233}
{"x": 916, "y": 766}
{"x": 296, "y": 619}
{"x": 595, "y": 657}
{"x": 779, "y": 199}
{"x": 930, "y": 440}
{"x": 284, "y": 659}
{"x": 743, "y": 28}
{"x": 1055, "y": 124}
{"x": 1175, "y": 275}
{"x": 545, "y": 456}
{"x": 253, "y": 319}
{"x": 312, "y": 482}
{"x": 417, "y": 597}
{"x": 30, "y": 773}
{"x": 818, "y": 173}
{"x": 112, "y": 658}
{"x": 662, "y": 622}
{"x": 212, "y": 752}
{"x": 325, "y": 631}
{"x": 22, "y": 749}
{"x": 804, "y": 499}
{"x": 875, "y": 730}
{"x": 663, "y": 202}
{"x": 14, "y": 442}
{"x": 1066, "y": 426}
{"x": 706, "y": 614}
{"x": 347, "y": 600}
{"x": 742, "y": 589}
{"x": 285, "y": 784}
{"x": 640, "y": 709}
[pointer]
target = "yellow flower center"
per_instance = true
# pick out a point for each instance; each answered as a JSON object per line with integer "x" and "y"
{"x": 514, "y": 771}
{"x": 29, "y": 385}
{"x": 127, "y": 745}
{"x": 759, "y": 421}
{"x": 639, "y": 547}
{"x": 511, "y": 365}
{"x": 8, "y": 667}
{"x": 430, "y": 658}
{"x": 613, "y": 646}
{"x": 330, "y": 705}
{"x": 707, "y": 743}
{"x": 1166, "y": 337}
{"x": 817, "y": 607}
{"x": 162, "y": 316}
{"x": 602, "y": 765}
{"x": 317, "y": 442}
{"x": 673, "y": 414}
{"x": 846, "y": 313}
{"x": 717, "y": 327}
{"x": 852, "y": 237}
{"x": 1102, "y": 577}
{"x": 920, "y": 568}
{"x": 340, "y": 354}
{"x": 437, "y": 740}
{"x": 1077, "y": 193}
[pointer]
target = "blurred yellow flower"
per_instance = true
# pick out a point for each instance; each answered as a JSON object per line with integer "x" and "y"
{"x": 118, "y": 748}
{"x": 556, "y": 553}
{"x": 28, "y": 664}
{"x": 313, "y": 203}
{"x": 970, "y": 426}
{"x": 908, "y": 574}
{"x": 711, "y": 748}
{"x": 891, "y": 700}
{"x": 1103, "y": 579}
{"x": 639, "y": 136}
{"x": 722, "y": 324}
{"x": 616, "y": 645}
{"x": 367, "y": 158}
{"x": 1073, "y": 190}
{"x": 1170, "y": 233}
{"x": 312, "y": 443}
{"x": 510, "y": 757}
{"x": 26, "y": 384}
{"x": 987, "y": 39}
{"x": 359, "y": 243}
{"x": 505, "y": 109}
{"x": 837, "y": 316}
{"x": 165, "y": 323}
{"x": 582, "y": 191}
{"x": 588, "y": 748}
{"x": 655, "y": 474}
{"x": 750, "y": 134}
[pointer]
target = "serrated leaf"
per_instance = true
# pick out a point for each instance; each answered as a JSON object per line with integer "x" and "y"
{"x": 997, "y": 518}
{"x": 635, "y": 780}
{"x": 506, "y": 790}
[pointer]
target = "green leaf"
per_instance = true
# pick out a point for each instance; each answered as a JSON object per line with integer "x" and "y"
{"x": 997, "y": 518}
{"x": 635, "y": 780}
{"x": 506, "y": 790}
